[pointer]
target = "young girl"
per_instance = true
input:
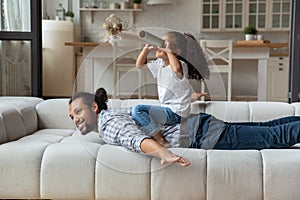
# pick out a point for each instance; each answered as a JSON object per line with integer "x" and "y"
{"x": 181, "y": 58}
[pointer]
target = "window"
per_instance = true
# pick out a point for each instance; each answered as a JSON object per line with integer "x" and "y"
{"x": 20, "y": 48}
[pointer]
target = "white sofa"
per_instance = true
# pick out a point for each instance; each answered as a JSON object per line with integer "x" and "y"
{"x": 43, "y": 156}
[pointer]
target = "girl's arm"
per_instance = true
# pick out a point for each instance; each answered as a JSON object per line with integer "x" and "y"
{"x": 173, "y": 61}
{"x": 175, "y": 64}
{"x": 142, "y": 58}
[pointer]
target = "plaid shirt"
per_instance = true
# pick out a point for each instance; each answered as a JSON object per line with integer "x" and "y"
{"x": 117, "y": 127}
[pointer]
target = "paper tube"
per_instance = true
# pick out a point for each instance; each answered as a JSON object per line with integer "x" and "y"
{"x": 126, "y": 35}
{"x": 151, "y": 39}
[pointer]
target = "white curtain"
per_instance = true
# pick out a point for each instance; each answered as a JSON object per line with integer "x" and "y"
{"x": 16, "y": 15}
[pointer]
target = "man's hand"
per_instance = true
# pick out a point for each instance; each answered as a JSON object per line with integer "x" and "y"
{"x": 153, "y": 148}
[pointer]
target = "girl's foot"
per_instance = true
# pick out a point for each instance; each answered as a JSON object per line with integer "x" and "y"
{"x": 160, "y": 139}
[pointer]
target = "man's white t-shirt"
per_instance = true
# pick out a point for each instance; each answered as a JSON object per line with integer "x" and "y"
{"x": 173, "y": 92}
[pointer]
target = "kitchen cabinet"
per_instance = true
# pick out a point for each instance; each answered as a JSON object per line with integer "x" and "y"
{"x": 280, "y": 15}
{"x": 220, "y": 15}
{"x": 234, "y": 15}
{"x": 278, "y": 78}
{"x": 257, "y": 14}
{"x": 279, "y": 19}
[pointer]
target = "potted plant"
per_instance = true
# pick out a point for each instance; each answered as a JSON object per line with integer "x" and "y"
{"x": 69, "y": 15}
{"x": 137, "y": 4}
{"x": 250, "y": 32}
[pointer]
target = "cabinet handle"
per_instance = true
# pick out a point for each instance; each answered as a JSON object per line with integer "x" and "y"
{"x": 280, "y": 58}
{"x": 280, "y": 69}
{"x": 280, "y": 64}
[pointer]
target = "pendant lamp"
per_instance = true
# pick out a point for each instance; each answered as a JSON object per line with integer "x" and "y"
{"x": 160, "y": 2}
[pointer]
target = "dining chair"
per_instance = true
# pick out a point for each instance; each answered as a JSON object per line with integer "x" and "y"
{"x": 124, "y": 62}
{"x": 219, "y": 55}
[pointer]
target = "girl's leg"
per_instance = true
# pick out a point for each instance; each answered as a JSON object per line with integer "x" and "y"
{"x": 260, "y": 137}
{"x": 141, "y": 114}
{"x": 150, "y": 117}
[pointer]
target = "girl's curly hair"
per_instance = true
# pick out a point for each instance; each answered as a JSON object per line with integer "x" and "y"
{"x": 192, "y": 54}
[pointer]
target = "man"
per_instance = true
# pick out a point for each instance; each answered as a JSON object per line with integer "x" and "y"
{"x": 116, "y": 128}
{"x": 200, "y": 131}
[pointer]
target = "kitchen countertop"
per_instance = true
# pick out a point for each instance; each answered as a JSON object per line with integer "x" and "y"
{"x": 235, "y": 44}
{"x": 270, "y": 45}
{"x": 87, "y": 44}
{"x": 106, "y": 44}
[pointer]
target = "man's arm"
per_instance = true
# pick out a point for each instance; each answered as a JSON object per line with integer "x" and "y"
{"x": 120, "y": 129}
{"x": 151, "y": 147}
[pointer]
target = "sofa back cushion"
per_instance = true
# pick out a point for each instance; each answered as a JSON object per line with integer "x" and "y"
{"x": 232, "y": 111}
{"x": 17, "y": 117}
{"x": 265, "y": 111}
{"x": 229, "y": 111}
{"x": 126, "y": 103}
{"x": 297, "y": 108}
{"x": 54, "y": 113}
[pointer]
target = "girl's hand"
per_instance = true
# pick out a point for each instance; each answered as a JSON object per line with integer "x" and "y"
{"x": 197, "y": 96}
{"x": 167, "y": 47}
{"x": 149, "y": 47}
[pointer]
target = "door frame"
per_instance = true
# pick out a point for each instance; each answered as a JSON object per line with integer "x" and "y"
{"x": 294, "y": 70}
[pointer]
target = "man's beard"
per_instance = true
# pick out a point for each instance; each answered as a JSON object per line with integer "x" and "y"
{"x": 85, "y": 128}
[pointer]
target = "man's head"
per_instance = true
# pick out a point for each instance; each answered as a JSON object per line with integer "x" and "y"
{"x": 84, "y": 111}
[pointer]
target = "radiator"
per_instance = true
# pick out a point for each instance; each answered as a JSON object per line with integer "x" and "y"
{"x": 13, "y": 77}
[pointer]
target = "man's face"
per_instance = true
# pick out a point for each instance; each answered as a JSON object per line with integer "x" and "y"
{"x": 84, "y": 116}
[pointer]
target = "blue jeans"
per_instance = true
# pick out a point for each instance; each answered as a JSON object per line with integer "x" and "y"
{"x": 279, "y": 133}
{"x": 151, "y": 117}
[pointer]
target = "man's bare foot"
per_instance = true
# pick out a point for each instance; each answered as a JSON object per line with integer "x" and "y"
{"x": 160, "y": 139}
{"x": 167, "y": 157}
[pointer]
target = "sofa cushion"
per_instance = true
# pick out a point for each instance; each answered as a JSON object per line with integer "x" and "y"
{"x": 296, "y": 108}
{"x": 229, "y": 111}
{"x": 54, "y": 113}
{"x": 124, "y": 171}
{"x": 234, "y": 175}
{"x": 262, "y": 111}
{"x": 17, "y": 119}
{"x": 281, "y": 173}
{"x": 168, "y": 178}
{"x": 132, "y": 102}
{"x": 20, "y": 165}
{"x": 13, "y": 100}
{"x": 68, "y": 167}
